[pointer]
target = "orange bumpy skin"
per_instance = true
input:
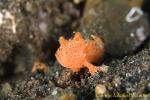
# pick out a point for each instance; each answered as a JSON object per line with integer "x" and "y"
{"x": 78, "y": 53}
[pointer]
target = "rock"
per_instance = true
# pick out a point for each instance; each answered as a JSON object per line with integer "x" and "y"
{"x": 100, "y": 89}
{"x": 105, "y": 68}
{"x": 67, "y": 96}
{"x": 106, "y": 19}
{"x": 6, "y": 88}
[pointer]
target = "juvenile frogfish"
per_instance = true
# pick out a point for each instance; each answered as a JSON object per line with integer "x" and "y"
{"x": 78, "y": 53}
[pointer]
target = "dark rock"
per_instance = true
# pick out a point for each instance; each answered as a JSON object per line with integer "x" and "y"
{"x": 106, "y": 18}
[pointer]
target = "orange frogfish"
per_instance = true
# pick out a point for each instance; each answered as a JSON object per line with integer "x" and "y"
{"x": 78, "y": 53}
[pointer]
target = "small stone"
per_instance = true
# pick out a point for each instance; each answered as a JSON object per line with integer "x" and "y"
{"x": 29, "y": 6}
{"x": 6, "y": 88}
{"x": 105, "y": 68}
{"x": 100, "y": 89}
{"x": 77, "y": 1}
{"x": 68, "y": 96}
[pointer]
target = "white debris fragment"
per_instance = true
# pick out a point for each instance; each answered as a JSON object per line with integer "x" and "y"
{"x": 54, "y": 92}
{"x": 130, "y": 16}
{"x": 140, "y": 33}
{"x": 132, "y": 35}
{"x": 6, "y": 15}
